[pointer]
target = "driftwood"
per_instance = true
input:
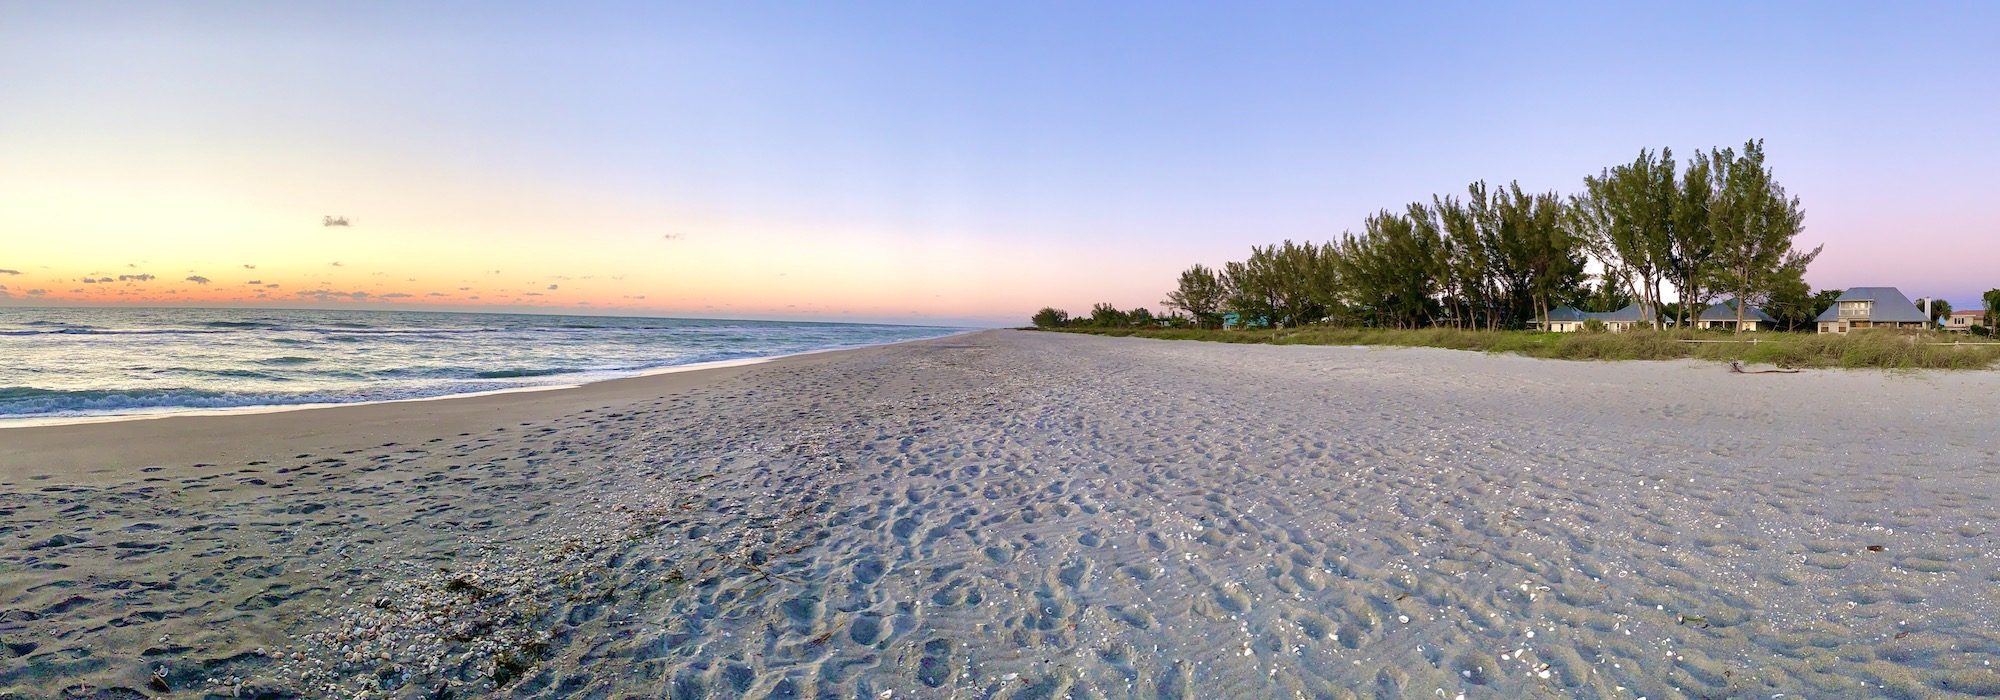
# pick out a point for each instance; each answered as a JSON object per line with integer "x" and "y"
{"x": 1736, "y": 366}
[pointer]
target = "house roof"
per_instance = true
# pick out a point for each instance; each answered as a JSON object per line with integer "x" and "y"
{"x": 1890, "y": 306}
{"x": 1970, "y": 312}
{"x": 1726, "y": 311}
{"x": 1629, "y": 314}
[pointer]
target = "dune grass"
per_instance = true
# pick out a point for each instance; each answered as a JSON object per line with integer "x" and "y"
{"x": 1860, "y": 350}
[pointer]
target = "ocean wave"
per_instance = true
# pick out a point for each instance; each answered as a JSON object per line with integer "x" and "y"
{"x": 287, "y": 360}
{"x": 29, "y": 401}
{"x": 514, "y": 373}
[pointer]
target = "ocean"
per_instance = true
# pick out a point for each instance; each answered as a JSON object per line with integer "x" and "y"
{"x": 95, "y": 362}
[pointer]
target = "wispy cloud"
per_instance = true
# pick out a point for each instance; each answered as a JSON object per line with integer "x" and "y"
{"x": 142, "y": 277}
{"x": 248, "y": 266}
{"x": 552, "y": 287}
{"x": 198, "y": 279}
{"x": 395, "y": 295}
{"x": 4, "y": 271}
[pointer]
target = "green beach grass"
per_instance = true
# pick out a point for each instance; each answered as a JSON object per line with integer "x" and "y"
{"x": 1861, "y": 350}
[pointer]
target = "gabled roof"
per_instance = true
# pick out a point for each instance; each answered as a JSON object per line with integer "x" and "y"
{"x": 1629, "y": 314}
{"x": 1969, "y": 312}
{"x": 1890, "y": 306}
{"x": 1726, "y": 311}
{"x": 1565, "y": 313}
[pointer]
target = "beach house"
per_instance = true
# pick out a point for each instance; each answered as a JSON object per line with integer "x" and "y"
{"x": 1567, "y": 319}
{"x": 1864, "y": 308}
{"x": 1722, "y": 316}
{"x": 1963, "y": 321}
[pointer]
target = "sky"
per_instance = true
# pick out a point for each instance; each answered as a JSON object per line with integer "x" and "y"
{"x": 960, "y": 163}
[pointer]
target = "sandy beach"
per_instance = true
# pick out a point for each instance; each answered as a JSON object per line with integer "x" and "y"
{"x": 1031, "y": 515}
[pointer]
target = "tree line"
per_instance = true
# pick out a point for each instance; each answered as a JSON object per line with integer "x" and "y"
{"x": 1715, "y": 226}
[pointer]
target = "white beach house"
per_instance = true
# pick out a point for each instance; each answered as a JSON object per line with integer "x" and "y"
{"x": 1863, "y": 308}
{"x": 1963, "y": 321}
{"x": 1567, "y": 319}
{"x": 1722, "y": 316}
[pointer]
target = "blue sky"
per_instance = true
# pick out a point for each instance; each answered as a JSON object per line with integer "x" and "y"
{"x": 956, "y": 161}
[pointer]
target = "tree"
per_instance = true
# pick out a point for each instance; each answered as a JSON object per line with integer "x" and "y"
{"x": 1391, "y": 267}
{"x": 1201, "y": 294}
{"x": 1992, "y": 299}
{"x": 1754, "y": 223}
{"x": 1531, "y": 236}
{"x": 1105, "y": 315}
{"x": 1792, "y": 304}
{"x": 1050, "y": 317}
{"x": 1468, "y": 275}
{"x": 1609, "y": 295}
{"x": 1140, "y": 317}
{"x": 1691, "y": 237}
{"x": 1939, "y": 308}
{"x": 1625, "y": 220}
{"x": 1284, "y": 283}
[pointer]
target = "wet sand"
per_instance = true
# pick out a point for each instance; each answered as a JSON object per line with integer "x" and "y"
{"x": 1017, "y": 514}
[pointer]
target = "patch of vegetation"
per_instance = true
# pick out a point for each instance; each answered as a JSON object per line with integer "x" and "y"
{"x": 1859, "y": 350}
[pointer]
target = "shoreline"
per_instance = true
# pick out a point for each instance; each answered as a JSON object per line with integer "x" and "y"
{"x": 260, "y": 409}
{"x": 105, "y": 447}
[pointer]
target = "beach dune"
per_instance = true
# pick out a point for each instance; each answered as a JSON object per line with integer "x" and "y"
{"x": 1031, "y": 515}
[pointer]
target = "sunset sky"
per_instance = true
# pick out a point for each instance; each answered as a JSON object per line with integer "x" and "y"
{"x": 921, "y": 162}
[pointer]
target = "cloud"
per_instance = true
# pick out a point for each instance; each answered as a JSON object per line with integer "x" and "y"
{"x": 336, "y": 263}
{"x": 395, "y": 295}
{"x": 254, "y": 282}
{"x": 272, "y": 285}
{"x": 135, "y": 278}
{"x": 90, "y": 280}
{"x": 4, "y": 271}
{"x": 37, "y": 292}
{"x": 198, "y": 279}
{"x": 534, "y": 294}
{"x": 552, "y": 287}
{"x": 465, "y": 289}
{"x": 249, "y": 267}
{"x": 438, "y": 294}
{"x": 673, "y": 236}
{"x": 330, "y": 295}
